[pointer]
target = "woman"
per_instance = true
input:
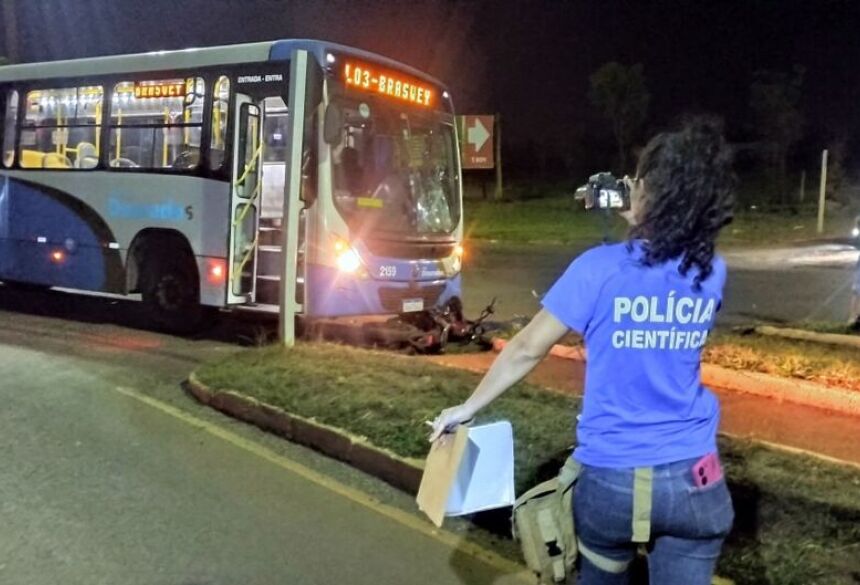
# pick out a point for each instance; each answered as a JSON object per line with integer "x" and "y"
{"x": 646, "y": 438}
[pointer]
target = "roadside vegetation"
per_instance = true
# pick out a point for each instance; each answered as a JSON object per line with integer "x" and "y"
{"x": 558, "y": 218}
{"x": 806, "y": 360}
{"x": 821, "y": 363}
{"x": 798, "y": 519}
{"x": 827, "y": 327}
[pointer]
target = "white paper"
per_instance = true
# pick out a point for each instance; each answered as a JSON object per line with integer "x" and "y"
{"x": 485, "y": 478}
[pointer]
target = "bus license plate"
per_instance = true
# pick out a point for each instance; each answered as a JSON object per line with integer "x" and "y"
{"x": 413, "y": 305}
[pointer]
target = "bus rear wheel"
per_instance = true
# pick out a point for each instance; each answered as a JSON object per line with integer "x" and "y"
{"x": 171, "y": 292}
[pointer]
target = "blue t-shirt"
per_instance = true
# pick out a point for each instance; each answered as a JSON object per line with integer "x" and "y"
{"x": 644, "y": 329}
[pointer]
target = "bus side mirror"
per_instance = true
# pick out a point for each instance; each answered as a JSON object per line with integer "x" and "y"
{"x": 333, "y": 125}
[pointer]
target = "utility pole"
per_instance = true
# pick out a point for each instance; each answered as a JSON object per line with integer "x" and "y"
{"x": 10, "y": 30}
{"x": 500, "y": 190}
{"x": 821, "y": 191}
{"x": 292, "y": 198}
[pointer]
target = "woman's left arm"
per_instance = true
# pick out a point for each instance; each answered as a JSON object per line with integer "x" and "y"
{"x": 517, "y": 359}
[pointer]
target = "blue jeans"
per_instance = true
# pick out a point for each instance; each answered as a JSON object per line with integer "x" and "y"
{"x": 688, "y": 524}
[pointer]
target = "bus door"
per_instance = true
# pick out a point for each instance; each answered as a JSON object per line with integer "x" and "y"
{"x": 245, "y": 199}
{"x": 271, "y": 208}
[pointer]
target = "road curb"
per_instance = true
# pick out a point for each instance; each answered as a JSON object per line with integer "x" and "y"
{"x": 852, "y": 341}
{"x": 787, "y": 389}
{"x": 402, "y": 473}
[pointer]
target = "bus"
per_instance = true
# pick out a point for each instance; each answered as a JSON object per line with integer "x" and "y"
{"x": 165, "y": 176}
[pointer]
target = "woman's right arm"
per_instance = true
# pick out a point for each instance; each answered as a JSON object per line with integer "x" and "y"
{"x": 517, "y": 359}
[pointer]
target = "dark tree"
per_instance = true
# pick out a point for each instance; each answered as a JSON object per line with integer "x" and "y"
{"x": 622, "y": 97}
{"x": 775, "y": 103}
{"x": 837, "y": 153}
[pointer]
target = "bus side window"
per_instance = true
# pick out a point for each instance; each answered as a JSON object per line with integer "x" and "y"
{"x": 157, "y": 124}
{"x": 10, "y": 119}
{"x": 61, "y": 128}
{"x": 220, "y": 117}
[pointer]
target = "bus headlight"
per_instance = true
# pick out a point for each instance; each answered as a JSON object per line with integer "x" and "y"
{"x": 454, "y": 263}
{"x": 348, "y": 261}
{"x": 347, "y": 258}
{"x": 856, "y": 232}
{"x": 457, "y": 264}
{"x": 459, "y": 253}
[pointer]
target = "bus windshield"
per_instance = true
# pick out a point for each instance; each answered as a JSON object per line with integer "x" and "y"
{"x": 395, "y": 170}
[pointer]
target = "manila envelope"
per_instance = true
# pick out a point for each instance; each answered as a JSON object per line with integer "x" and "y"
{"x": 468, "y": 471}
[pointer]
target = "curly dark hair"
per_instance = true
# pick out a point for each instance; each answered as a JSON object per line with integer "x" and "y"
{"x": 689, "y": 196}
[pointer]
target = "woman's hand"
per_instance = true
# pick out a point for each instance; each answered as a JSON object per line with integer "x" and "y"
{"x": 449, "y": 418}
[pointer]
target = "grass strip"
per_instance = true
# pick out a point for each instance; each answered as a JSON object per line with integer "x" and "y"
{"x": 798, "y": 519}
{"x": 821, "y": 363}
{"x": 555, "y": 219}
{"x": 806, "y": 360}
{"x": 385, "y": 397}
{"x": 563, "y": 220}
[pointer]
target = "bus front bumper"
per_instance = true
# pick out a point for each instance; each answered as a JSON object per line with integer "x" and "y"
{"x": 332, "y": 293}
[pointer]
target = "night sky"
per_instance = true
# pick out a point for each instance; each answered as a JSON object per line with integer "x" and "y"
{"x": 528, "y": 60}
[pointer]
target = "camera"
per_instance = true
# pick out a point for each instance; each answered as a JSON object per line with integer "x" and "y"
{"x": 605, "y": 191}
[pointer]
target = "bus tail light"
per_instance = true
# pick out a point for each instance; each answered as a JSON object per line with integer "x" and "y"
{"x": 216, "y": 272}
{"x": 58, "y": 256}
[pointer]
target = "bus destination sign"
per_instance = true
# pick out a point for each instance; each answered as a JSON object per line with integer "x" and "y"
{"x": 159, "y": 89}
{"x": 388, "y": 83}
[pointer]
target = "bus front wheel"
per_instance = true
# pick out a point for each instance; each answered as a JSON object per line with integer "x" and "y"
{"x": 171, "y": 293}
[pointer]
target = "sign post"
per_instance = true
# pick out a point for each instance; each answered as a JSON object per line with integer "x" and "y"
{"x": 481, "y": 146}
{"x": 476, "y": 142}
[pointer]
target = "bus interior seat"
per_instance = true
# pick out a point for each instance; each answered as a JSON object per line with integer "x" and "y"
{"x": 187, "y": 159}
{"x": 88, "y": 162}
{"x": 32, "y": 159}
{"x": 123, "y": 163}
{"x": 217, "y": 156}
{"x": 87, "y": 157}
{"x": 53, "y": 160}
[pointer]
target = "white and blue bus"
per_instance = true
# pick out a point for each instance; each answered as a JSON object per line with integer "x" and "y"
{"x": 164, "y": 174}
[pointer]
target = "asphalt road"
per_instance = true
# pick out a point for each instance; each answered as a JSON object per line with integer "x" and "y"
{"x": 785, "y": 285}
{"x": 100, "y": 486}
